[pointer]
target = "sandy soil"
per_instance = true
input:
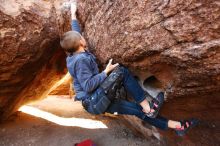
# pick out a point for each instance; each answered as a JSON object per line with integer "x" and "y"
{"x": 27, "y": 130}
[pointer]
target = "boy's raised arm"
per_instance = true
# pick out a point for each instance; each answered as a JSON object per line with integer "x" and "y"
{"x": 74, "y": 24}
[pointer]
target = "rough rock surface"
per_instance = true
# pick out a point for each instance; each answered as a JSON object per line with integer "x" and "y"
{"x": 30, "y": 56}
{"x": 65, "y": 88}
{"x": 176, "y": 41}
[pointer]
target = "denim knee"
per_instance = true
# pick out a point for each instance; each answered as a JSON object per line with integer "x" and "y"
{"x": 124, "y": 70}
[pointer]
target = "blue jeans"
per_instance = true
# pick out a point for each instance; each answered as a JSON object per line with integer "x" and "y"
{"x": 132, "y": 108}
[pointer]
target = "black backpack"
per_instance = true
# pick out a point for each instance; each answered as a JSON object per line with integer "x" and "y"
{"x": 112, "y": 83}
{"x": 100, "y": 100}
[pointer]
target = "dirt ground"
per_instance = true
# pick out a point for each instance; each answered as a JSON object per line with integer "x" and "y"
{"x": 27, "y": 130}
{"x": 62, "y": 122}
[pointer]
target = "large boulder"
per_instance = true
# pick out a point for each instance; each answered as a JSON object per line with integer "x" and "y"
{"x": 31, "y": 59}
{"x": 175, "y": 42}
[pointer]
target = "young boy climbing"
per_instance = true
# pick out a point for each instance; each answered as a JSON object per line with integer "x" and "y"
{"x": 87, "y": 80}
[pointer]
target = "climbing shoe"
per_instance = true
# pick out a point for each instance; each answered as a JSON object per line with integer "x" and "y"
{"x": 156, "y": 104}
{"x": 185, "y": 126}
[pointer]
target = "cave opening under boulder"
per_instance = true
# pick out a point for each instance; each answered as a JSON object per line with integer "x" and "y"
{"x": 152, "y": 85}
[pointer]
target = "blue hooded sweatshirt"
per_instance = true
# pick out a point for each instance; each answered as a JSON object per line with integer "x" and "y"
{"x": 83, "y": 68}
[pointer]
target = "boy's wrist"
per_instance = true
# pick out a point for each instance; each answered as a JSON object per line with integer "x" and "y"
{"x": 73, "y": 8}
{"x": 106, "y": 72}
{"x": 73, "y": 16}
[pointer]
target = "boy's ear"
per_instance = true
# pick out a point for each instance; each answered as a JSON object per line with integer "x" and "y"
{"x": 81, "y": 43}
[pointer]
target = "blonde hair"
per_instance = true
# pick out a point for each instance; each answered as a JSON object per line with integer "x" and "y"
{"x": 70, "y": 41}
